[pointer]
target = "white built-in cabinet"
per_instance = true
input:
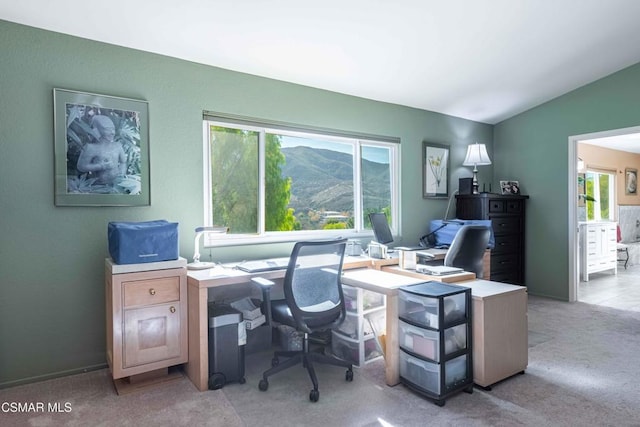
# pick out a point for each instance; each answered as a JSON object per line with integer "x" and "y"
{"x": 598, "y": 241}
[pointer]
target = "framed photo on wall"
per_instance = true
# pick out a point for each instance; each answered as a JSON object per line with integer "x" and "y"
{"x": 435, "y": 170}
{"x": 630, "y": 181}
{"x": 101, "y": 148}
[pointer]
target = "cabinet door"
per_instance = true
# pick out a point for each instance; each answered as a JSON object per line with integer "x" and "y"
{"x": 151, "y": 334}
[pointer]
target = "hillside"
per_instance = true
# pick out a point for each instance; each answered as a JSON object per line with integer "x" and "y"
{"x": 322, "y": 180}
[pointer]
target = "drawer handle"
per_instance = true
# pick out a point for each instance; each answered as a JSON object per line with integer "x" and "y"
{"x": 172, "y": 309}
{"x": 152, "y": 291}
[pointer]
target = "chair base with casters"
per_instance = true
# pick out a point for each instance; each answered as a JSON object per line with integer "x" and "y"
{"x": 307, "y": 358}
{"x": 313, "y": 304}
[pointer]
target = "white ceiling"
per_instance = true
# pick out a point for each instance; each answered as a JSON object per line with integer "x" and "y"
{"x": 627, "y": 142}
{"x": 483, "y": 60}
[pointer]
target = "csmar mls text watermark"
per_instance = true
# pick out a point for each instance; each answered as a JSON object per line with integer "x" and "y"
{"x": 34, "y": 407}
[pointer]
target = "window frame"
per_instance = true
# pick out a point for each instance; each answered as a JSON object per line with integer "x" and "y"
{"x": 597, "y": 209}
{"x": 262, "y": 236}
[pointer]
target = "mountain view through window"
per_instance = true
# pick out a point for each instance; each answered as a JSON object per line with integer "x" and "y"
{"x": 310, "y": 182}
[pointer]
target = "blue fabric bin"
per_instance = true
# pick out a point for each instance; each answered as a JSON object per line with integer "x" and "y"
{"x": 143, "y": 242}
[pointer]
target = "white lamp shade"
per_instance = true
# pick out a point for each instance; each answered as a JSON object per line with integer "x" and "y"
{"x": 476, "y": 155}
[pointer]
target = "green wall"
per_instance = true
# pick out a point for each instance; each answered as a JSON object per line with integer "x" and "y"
{"x": 52, "y": 258}
{"x": 533, "y": 148}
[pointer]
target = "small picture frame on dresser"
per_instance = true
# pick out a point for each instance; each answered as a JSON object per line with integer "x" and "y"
{"x": 509, "y": 187}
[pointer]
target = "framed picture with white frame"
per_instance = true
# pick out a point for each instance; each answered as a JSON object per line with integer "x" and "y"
{"x": 435, "y": 170}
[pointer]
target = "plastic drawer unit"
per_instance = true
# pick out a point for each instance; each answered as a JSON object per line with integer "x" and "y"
{"x": 357, "y": 339}
{"x": 435, "y": 339}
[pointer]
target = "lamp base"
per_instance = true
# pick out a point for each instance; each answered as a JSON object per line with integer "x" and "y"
{"x": 200, "y": 265}
{"x": 474, "y": 185}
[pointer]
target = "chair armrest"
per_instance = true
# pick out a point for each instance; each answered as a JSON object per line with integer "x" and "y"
{"x": 262, "y": 282}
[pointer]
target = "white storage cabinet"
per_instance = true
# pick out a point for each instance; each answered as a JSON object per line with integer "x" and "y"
{"x": 357, "y": 339}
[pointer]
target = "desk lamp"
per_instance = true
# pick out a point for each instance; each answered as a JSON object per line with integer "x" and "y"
{"x": 197, "y": 264}
{"x": 476, "y": 155}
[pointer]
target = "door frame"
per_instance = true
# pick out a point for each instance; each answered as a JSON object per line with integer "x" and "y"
{"x": 574, "y": 275}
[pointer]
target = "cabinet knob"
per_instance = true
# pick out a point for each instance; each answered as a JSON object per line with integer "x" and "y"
{"x": 172, "y": 309}
{"x": 152, "y": 291}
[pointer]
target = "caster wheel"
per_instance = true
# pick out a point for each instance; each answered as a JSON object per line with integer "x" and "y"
{"x": 275, "y": 361}
{"x": 314, "y": 395}
{"x": 263, "y": 385}
{"x": 469, "y": 389}
{"x": 349, "y": 375}
{"x": 439, "y": 403}
{"x": 242, "y": 380}
{"x": 217, "y": 381}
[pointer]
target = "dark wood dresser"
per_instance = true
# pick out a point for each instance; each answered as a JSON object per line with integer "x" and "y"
{"x": 507, "y": 218}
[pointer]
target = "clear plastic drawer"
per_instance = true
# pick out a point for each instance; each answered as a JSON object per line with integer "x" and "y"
{"x": 350, "y": 326}
{"x": 421, "y": 373}
{"x": 349, "y": 350}
{"x": 426, "y": 375}
{"x": 423, "y": 342}
{"x": 424, "y": 310}
{"x": 370, "y": 300}
{"x": 455, "y": 372}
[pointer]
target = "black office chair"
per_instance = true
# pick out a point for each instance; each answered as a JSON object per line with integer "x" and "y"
{"x": 313, "y": 303}
{"x": 468, "y": 247}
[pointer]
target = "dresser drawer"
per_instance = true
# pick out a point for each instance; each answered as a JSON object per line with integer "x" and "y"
{"x": 504, "y": 262}
{"x": 497, "y": 206}
{"x": 506, "y": 243}
{"x": 512, "y": 277}
{"x": 152, "y": 291}
{"x": 506, "y": 225}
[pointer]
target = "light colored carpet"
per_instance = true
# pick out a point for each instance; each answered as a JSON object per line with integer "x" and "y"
{"x": 583, "y": 370}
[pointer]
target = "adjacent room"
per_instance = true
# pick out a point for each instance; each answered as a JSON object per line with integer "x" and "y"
{"x": 430, "y": 208}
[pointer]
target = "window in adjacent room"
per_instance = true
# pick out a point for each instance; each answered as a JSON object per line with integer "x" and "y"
{"x": 600, "y": 185}
{"x": 270, "y": 183}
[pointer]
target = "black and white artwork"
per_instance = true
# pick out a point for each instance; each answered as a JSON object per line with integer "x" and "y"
{"x": 102, "y": 150}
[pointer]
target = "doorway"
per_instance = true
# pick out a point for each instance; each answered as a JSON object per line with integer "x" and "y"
{"x": 623, "y": 145}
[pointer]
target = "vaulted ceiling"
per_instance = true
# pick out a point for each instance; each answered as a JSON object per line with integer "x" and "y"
{"x": 484, "y": 60}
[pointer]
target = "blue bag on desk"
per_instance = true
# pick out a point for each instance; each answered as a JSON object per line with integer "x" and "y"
{"x": 444, "y": 231}
{"x": 142, "y": 242}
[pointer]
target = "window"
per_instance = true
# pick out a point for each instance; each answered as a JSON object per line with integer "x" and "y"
{"x": 269, "y": 183}
{"x": 600, "y": 185}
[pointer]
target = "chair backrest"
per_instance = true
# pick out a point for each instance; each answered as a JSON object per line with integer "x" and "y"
{"x": 468, "y": 247}
{"x": 312, "y": 284}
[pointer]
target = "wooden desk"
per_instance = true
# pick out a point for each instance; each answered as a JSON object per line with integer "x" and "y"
{"x": 438, "y": 255}
{"x": 500, "y": 331}
{"x": 448, "y": 278}
{"x": 361, "y": 272}
{"x": 198, "y": 281}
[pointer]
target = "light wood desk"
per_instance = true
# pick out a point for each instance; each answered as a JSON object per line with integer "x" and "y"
{"x": 198, "y": 283}
{"x": 362, "y": 272}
